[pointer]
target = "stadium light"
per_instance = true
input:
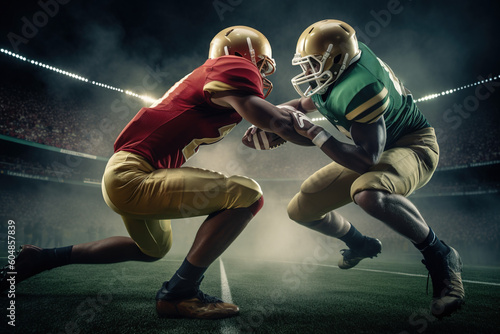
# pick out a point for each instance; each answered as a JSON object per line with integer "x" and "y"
{"x": 150, "y": 99}
{"x": 76, "y": 76}
{"x": 433, "y": 96}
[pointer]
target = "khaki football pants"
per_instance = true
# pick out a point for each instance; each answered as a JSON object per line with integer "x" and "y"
{"x": 147, "y": 198}
{"x": 404, "y": 168}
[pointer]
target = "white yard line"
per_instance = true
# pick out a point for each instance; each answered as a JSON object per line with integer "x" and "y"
{"x": 226, "y": 328}
{"x": 384, "y": 272}
{"x": 226, "y": 292}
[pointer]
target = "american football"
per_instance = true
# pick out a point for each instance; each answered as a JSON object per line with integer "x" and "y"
{"x": 261, "y": 140}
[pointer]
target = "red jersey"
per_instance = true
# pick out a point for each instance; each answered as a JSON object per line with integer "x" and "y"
{"x": 170, "y": 131}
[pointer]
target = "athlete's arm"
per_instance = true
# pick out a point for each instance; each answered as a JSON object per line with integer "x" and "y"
{"x": 303, "y": 104}
{"x": 369, "y": 142}
{"x": 262, "y": 114}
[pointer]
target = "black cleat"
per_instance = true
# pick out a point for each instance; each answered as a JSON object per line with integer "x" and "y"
{"x": 448, "y": 291}
{"x": 351, "y": 257}
{"x": 28, "y": 262}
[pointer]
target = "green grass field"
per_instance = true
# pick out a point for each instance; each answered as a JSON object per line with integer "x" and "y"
{"x": 274, "y": 297}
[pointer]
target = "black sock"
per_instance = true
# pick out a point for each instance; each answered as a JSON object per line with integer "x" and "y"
{"x": 57, "y": 257}
{"x": 353, "y": 238}
{"x": 186, "y": 276}
{"x": 431, "y": 246}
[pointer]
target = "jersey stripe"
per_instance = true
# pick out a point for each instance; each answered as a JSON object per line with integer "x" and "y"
{"x": 375, "y": 115}
{"x": 217, "y": 86}
{"x": 368, "y": 104}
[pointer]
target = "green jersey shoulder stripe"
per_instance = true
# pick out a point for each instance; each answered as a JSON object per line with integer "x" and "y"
{"x": 369, "y": 104}
{"x": 366, "y": 91}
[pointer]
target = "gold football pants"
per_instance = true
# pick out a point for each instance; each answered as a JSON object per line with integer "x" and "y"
{"x": 147, "y": 198}
{"x": 402, "y": 169}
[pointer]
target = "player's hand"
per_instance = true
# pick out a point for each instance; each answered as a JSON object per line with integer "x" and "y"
{"x": 301, "y": 123}
{"x": 250, "y": 132}
{"x": 261, "y": 140}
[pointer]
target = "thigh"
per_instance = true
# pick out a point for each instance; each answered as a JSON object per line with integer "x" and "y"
{"x": 189, "y": 192}
{"x": 136, "y": 190}
{"x": 401, "y": 170}
{"x": 324, "y": 191}
{"x": 154, "y": 237}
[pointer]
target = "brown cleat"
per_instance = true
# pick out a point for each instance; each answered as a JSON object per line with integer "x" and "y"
{"x": 192, "y": 303}
{"x": 195, "y": 308}
{"x": 28, "y": 263}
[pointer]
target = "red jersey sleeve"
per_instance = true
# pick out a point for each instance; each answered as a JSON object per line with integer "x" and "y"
{"x": 233, "y": 73}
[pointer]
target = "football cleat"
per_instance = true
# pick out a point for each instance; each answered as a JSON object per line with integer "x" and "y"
{"x": 351, "y": 257}
{"x": 192, "y": 303}
{"x": 28, "y": 262}
{"x": 448, "y": 291}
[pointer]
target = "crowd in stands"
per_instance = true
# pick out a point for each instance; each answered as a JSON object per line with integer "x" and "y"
{"x": 30, "y": 167}
{"x": 61, "y": 122}
{"x": 48, "y": 120}
{"x": 52, "y": 218}
{"x": 437, "y": 186}
{"x": 474, "y": 142}
{"x": 50, "y": 169}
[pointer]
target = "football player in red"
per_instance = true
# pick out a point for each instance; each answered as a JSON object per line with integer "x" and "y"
{"x": 146, "y": 184}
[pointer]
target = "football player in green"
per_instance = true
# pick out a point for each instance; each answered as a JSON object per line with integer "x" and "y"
{"x": 393, "y": 152}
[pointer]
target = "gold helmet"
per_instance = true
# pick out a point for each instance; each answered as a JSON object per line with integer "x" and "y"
{"x": 248, "y": 43}
{"x": 324, "y": 50}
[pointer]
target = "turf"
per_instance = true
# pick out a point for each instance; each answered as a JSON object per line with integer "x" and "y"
{"x": 274, "y": 297}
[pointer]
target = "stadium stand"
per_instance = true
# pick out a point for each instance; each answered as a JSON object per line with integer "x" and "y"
{"x": 51, "y": 164}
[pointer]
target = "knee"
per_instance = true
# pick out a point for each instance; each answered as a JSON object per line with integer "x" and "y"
{"x": 295, "y": 214}
{"x": 160, "y": 247}
{"x": 149, "y": 258}
{"x": 370, "y": 200}
{"x": 247, "y": 191}
{"x": 157, "y": 253}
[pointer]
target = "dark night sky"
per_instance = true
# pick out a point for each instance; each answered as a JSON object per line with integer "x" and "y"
{"x": 432, "y": 46}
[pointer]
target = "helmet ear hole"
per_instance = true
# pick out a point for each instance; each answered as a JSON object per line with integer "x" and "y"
{"x": 337, "y": 58}
{"x": 238, "y": 54}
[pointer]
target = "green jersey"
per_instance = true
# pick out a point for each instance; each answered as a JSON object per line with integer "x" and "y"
{"x": 366, "y": 91}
